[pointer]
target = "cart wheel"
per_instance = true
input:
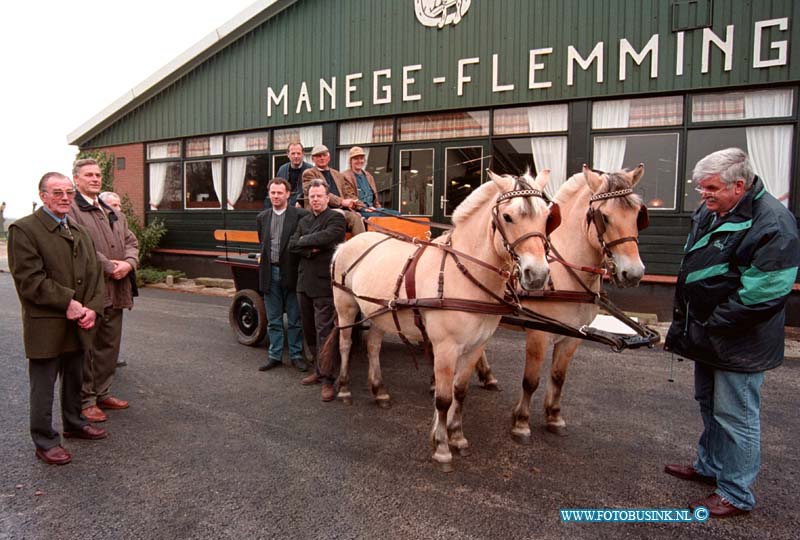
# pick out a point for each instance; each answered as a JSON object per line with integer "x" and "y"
{"x": 248, "y": 317}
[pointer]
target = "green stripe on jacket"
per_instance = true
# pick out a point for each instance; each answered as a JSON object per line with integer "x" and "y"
{"x": 758, "y": 286}
{"x": 705, "y": 273}
{"x": 725, "y": 227}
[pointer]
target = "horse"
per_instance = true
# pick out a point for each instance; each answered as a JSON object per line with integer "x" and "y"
{"x": 453, "y": 291}
{"x": 601, "y": 220}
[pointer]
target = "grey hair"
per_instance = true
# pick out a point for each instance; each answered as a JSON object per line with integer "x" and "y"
{"x": 316, "y": 182}
{"x": 107, "y": 194}
{"x": 76, "y": 167}
{"x": 731, "y": 164}
{"x": 46, "y": 178}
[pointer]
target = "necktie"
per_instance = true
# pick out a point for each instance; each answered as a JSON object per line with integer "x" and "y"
{"x": 66, "y": 227}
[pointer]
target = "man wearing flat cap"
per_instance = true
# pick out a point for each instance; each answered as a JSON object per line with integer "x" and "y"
{"x": 340, "y": 195}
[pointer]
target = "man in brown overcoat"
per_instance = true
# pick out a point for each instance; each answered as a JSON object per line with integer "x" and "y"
{"x": 118, "y": 253}
{"x": 60, "y": 287}
{"x": 339, "y": 194}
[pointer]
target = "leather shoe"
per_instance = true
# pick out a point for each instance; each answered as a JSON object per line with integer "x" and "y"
{"x": 300, "y": 364}
{"x": 54, "y": 456}
{"x": 93, "y": 414}
{"x": 687, "y": 472}
{"x": 718, "y": 506}
{"x": 113, "y": 403}
{"x": 271, "y": 363}
{"x": 327, "y": 393}
{"x": 310, "y": 379}
{"x": 87, "y": 432}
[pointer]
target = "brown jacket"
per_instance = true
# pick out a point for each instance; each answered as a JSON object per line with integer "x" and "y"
{"x": 49, "y": 270}
{"x": 352, "y": 183}
{"x": 335, "y": 201}
{"x": 113, "y": 241}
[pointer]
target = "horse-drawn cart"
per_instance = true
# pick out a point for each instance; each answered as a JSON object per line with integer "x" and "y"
{"x": 247, "y": 314}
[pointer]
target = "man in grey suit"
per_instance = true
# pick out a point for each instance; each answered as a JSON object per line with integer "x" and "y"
{"x": 59, "y": 282}
{"x": 277, "y": 275}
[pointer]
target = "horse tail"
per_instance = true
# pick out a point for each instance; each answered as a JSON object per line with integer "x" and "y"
{"x": 329, "y": 352}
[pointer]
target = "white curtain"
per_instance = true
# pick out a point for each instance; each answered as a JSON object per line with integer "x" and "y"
{"x": 611, "y": 114}
{"x": 770, "y": 146}
{"x": 770, "y": 149}
{"x": 216, "y": 176}
{"x": 215, "y": 145}
{"x": 547, "y": 118}
{"x": 356, "y": 132}
{"x": 237, "y": 167}
{"x": 158, "y": 179}
{"x": 551, "y": 153}
{"x": 237, "y": 143}
{"x": 344, "y": 162}
{"x": 609, "y": 153}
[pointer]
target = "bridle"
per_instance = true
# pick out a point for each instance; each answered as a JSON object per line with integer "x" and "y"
{"x": 497, "y": 223}
{"x": 595, "y": 216}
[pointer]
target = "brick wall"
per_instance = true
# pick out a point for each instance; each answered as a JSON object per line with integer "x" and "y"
{"x": 130, "y": 180}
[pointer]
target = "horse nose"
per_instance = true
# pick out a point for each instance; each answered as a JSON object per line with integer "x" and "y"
{"x": 534, "y": 278}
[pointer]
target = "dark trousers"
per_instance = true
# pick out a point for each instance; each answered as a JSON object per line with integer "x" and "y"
{"x": 319, "y": 316}
{"x": 43, "y": 373}
{"x": 101, "y": 361}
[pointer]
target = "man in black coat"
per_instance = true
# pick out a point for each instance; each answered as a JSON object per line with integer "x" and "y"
{"x": 315, "y": 240}
{"x": 277, "y": 275}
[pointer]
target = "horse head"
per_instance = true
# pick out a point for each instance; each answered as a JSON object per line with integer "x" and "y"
{"x": 617, "y": 215}
{"x": 522, "y": 221}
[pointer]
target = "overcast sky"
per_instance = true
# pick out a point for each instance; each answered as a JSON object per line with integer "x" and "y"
{"x": 62, "y": 62}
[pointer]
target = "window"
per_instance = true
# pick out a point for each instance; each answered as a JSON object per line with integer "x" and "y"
{"x": 636, "y": 113}
{"x": 658, "y": 152}
{"x": 769, "y": 148}
{"x": 540, "y": 119}
{"x": 166, "y": 186}
{"x": 444, "y": 126}
{"x": 203, "y": 146}
{"x": 416, "y": 181}
{"x": 166, "y": 150}
{"x": 247, "y": 142}
{"x": 309, "y": 136}
{"x": 248, "y": 177}
{"x": 203, "y": 182}
{"x": 366, "y": 132}
{"x": 515, "y": 156}
{"x": 742, "y": 105}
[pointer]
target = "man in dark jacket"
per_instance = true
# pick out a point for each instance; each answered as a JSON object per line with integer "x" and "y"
{"x": 277, "y": 275}
{"x": 315, "y": 240}
{"x": 60, "y": 286}
{"x": 740, "y": 263}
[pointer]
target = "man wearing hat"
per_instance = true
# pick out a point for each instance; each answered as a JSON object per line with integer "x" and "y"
{"x": 359, "y": 181}
{"x": 340, "y": 194}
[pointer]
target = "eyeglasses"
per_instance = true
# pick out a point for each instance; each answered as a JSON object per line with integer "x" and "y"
{"x": 58, "y": 194}
{"x": 712, "y": 190}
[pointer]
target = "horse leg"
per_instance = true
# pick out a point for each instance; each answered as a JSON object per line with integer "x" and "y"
{"x": 444, "y": 366}
{"x": 455, "y": 424}
{"x": 562, "y": 354}
{"x": 374, "y": 377}
{"x": 347, "y": 310}
{"x": 485, "y": 374}
{"x": 535, "y": 351}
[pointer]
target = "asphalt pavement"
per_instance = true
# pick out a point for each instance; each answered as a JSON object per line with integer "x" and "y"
{"x": 212, "y": 448}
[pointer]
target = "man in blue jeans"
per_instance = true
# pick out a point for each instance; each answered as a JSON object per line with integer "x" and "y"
{"x": 739, "y": 265}
{"x": 277, "y": 274}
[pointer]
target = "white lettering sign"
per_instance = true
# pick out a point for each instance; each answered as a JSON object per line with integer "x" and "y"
{"x": 780, "y": 46}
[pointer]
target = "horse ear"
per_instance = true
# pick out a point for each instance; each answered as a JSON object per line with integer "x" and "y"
{"x": 541, "y": 179}
{"x": 593, "y": 180}
{"x": 499, "y": 181}
{"x": 637, "y": 174}
{"x": 554, "y": 219}
{"x": 643, "y": 219}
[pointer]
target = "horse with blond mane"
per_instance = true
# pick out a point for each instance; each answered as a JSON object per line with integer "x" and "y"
{"x": 448, "y": 293}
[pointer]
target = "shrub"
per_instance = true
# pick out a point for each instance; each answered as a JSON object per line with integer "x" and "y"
{"x": 149, "y": 236}
{"x": 146, "y": 275}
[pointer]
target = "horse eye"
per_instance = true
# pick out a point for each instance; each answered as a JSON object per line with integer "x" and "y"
{"x": 507, "y": 218}
{"x": 605, "y": 218}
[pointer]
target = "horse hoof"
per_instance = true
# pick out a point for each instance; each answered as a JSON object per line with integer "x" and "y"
{"x": 557, "y": 430}
{"x": 521, "y": 438}
{"x": 492, "y": 387}
{"x": 383, "y": 403}
{"x": 463, "y": 452}
{"x": 444, "y": 467}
